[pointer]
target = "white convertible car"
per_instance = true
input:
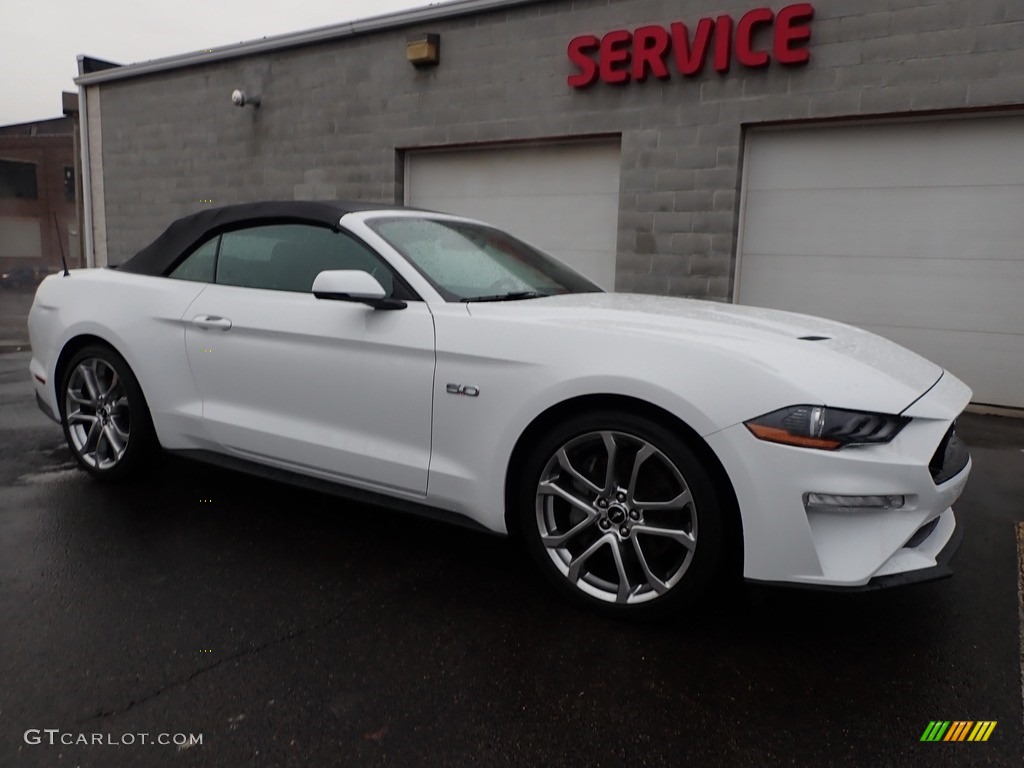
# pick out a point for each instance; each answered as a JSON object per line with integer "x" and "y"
{"x": 641, "y": 447}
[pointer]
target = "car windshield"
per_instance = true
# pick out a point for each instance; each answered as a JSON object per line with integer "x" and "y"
{"x": 473, "y": 262}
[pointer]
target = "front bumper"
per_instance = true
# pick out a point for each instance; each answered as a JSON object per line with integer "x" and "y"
{"x": 785, "y": 542}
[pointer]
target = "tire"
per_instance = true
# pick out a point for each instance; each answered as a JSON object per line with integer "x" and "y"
{"x": 104, "y": 414}
{"x": 600, "y": 537}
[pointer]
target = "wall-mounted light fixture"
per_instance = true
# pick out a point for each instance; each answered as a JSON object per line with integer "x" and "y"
{"x": 240, "y": 99}
{"x": 423, "y": 50}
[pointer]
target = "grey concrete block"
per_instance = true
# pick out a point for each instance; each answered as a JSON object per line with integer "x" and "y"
{"x": 725, "y": 200}
{"x": 882, "y": 100}
{"x": 848, "y": 78}
{"x": 865, "y": 26}
{"x": 834, "y": 104}
{"x": 719, "y": 288}
{"x": 697, "y": 157}
{"x": 650, "y": 158}
{"x": 723, "y": 243}
{"x": 675, "y": 180}
{"x": 720, "y": 88}
{"x": 990, "y": 11}
{"x": 669, "y": 263}
{"x": 949, "y": 95}
{"x": 999, "y": 90}
{"x": 640, "y": 139}
{"x": 696, "y": 200}
{"x": 812, "y": 79}
{"x": 687, "y": 285}
{"x": 999, "y": 37}
{"x": 650, "y": 283}
{"x": 712, "y": 221}
{"x": 655, "y": 201}
{"x": 728, "y": 155}
{"x": 836, "y": 54}
{"x": 710, "y": 264}
{"x": 690, "y": 243}
{"x": 717, "y": 178}
{"x": 673, "y": 222}
{"x": 932, "y": 17}
{"x": 717, "y": 134}
{"x": 634, "y": 263}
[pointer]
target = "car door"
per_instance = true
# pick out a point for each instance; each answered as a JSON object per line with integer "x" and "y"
{"x": 334, "y": 389}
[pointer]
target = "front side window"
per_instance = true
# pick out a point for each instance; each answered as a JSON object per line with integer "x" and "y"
{"x": 199, "y": 266}
{"x": 473, "y": 262}
{"x": 280, "y": 257}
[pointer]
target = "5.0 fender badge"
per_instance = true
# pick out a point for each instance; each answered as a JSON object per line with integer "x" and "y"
{"x": 462, "y": 389}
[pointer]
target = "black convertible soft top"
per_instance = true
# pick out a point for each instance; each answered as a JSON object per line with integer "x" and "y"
{"x": 183, "y": 235}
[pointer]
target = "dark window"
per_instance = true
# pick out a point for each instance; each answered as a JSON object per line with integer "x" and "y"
{"x": 69, "y": 183}
{"x": 200, "y": 265}
{"x": 18, "y": 180}
{"x": 288, "y": 257}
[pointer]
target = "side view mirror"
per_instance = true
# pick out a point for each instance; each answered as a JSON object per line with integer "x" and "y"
{"x": 353, "y": 285}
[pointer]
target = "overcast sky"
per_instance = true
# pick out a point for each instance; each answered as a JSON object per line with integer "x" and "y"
{"x": 40, "y": 39}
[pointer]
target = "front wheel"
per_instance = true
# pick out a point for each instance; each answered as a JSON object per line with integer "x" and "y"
{"x": 621, "y": 515}
{"x": 104, "y": 414}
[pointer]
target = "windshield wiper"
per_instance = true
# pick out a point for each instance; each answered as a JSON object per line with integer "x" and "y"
{"x": 510, "y": 296}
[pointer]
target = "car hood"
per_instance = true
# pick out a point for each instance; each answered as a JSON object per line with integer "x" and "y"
{"x": 838, "y": 364}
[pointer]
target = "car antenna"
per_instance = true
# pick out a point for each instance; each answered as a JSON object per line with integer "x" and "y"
{"x": 61, "y": 244}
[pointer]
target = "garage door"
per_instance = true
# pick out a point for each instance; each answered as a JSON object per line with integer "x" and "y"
{"x": 913, "y": 230}
{"x": 562, "y": 198}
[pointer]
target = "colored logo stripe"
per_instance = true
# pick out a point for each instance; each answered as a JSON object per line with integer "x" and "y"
{"x": 982, "y": 730}
{"x": 935, "y": 730}
{"x": 958, "y": 730}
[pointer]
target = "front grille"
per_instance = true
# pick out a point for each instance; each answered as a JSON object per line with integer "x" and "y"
{"x": 950, "y": 458}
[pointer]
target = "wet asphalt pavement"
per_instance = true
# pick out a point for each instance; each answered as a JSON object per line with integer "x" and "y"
{"x": 291, "y": 629}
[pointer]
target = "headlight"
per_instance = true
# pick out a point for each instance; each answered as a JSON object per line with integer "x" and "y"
{"x": 828, "y": 429}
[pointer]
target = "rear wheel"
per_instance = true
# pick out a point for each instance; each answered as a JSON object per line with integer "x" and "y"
{"x": 621, "y": 515}
{"x": 104, "y": 414}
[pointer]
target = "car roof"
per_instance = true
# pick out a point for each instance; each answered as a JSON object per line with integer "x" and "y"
{"x": 189, "y": 231}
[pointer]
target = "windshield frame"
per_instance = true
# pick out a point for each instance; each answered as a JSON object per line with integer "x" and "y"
{"x": 549, "y": 266}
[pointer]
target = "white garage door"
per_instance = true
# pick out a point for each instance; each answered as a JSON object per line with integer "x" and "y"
{"x": 912, "y": 230}
{"x": 562, "y": 198}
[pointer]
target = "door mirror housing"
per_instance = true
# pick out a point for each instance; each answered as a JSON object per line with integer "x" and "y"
{"x": 353, "y": 285}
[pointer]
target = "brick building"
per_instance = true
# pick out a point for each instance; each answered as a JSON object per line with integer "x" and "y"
{"x": 863, "y": 161}
{"x": 39, "y": 193}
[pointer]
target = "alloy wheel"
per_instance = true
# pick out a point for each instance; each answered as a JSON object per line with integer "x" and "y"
{"x": 616, "y": 517}
{"x": 98, "y": 414}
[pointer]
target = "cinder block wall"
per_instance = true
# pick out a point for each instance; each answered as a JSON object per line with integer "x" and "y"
{"x": 336, "y": 115}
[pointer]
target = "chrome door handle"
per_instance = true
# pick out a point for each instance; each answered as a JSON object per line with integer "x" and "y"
{"x": 212, "y": 322}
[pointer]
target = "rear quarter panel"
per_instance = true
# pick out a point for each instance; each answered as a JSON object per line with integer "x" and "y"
{"x": 141, "y": 317}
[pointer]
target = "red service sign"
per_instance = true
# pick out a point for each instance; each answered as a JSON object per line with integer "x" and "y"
{"x": 621, "y": 56}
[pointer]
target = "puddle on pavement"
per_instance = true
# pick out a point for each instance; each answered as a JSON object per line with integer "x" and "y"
{"x": 50, "y": 476}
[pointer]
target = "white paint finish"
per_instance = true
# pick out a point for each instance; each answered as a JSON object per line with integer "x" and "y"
{"x": 20, "y": 238}
{"x": 563, "y": 198}
{"x": 343, "y": 392}
{"x": 330, "y": 386}
{"x": 995, "y": 358}
{"x": 911, "y": 229}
